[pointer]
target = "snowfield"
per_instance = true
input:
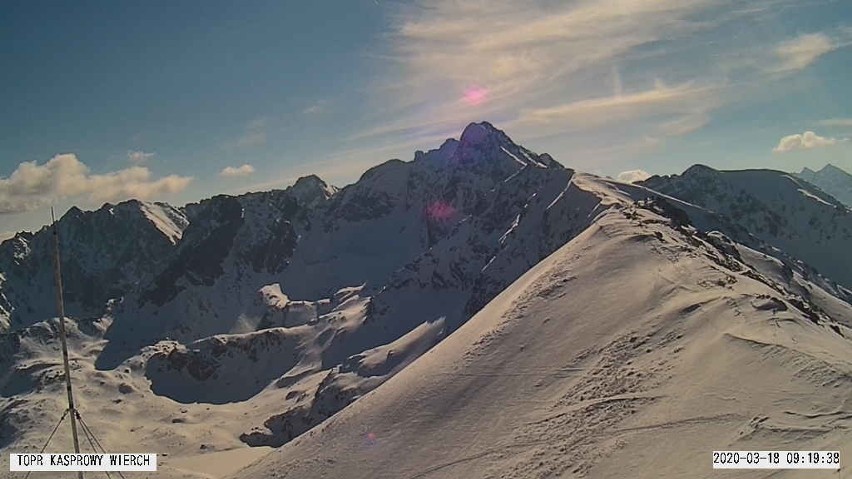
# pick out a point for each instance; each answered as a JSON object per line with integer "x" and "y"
{"x": 481, "y": 311}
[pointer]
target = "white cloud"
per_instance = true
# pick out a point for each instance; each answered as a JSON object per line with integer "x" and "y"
{"x": 32, "y": 185}
{"x": 632, "y": 176}
{"x": 234, "y": 171}
{"x": 139, "y": 156}
{"x": 804, "y": 141}
{"x": 803, "y": 50}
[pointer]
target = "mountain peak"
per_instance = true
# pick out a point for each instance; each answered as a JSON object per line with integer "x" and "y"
{"x": 698, "y": 169}
{"x": 310, "y": 180}
{"x": 311, "y": 189}
{"x": 829, "y": 168}
{"x": 483, "y": 140}
{"x": 476, "y": 133}
{"x": 832, "y": 180}
{"x": 73, "y": 212}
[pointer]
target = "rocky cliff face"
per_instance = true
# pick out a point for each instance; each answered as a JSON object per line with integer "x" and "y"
{"x": 105, "y": 254}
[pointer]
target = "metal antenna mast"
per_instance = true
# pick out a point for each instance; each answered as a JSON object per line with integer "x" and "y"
{"x": 60, "y": 306}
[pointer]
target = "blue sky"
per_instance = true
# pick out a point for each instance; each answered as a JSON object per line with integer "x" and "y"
{"x": 176, "y": 101}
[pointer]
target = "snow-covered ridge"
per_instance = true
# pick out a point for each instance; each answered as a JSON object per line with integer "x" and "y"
{"x": 784, "y": 211}
{"x": 275, "y": 310}
{"x": 639, "y": 337}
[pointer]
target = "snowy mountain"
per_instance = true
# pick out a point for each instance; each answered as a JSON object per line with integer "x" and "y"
{"x": 105, "y": 254}
{"x": 272, "y": 311}
{"x": 832, "y": 180}
{"x": 786, "y": 212}
{"x": 633, "y": 343}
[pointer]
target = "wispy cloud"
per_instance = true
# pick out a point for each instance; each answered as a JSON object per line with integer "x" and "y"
{"x": 685, "y": 124}
{"x": 235, "y": 171}
{"x": 254, "y": 134}
{"x": 798, "y": 53}
{"x": 596, "y": 112}
{"x": 32, "y": 185}
{"x": 805, "y": 141}
{"x": 583, "y": 68}
{"x": 526, "y": 64}
{"x": 837, "y": 122}
{"x": 315, "y": 107}
{"x": 773, "y": 57}
{"x": 139, "y": 156}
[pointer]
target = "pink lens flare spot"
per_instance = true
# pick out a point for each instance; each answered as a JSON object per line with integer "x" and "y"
{"x": 440, "y": 210}
{"x": 475, "y": 95}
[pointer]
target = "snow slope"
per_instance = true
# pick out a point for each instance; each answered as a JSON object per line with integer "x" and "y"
{"x": 633, "y": 351}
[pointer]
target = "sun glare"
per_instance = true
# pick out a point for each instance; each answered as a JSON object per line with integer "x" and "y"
{"x": 475, "y": 96}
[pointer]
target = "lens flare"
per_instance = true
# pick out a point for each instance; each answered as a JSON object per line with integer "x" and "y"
{"x": 440, "y": 210}
{"x": 475, "y": 96}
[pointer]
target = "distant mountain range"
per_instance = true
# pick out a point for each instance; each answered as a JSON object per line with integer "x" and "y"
{"x": 272, "y": 311}
{"x": 832, "y": 180}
